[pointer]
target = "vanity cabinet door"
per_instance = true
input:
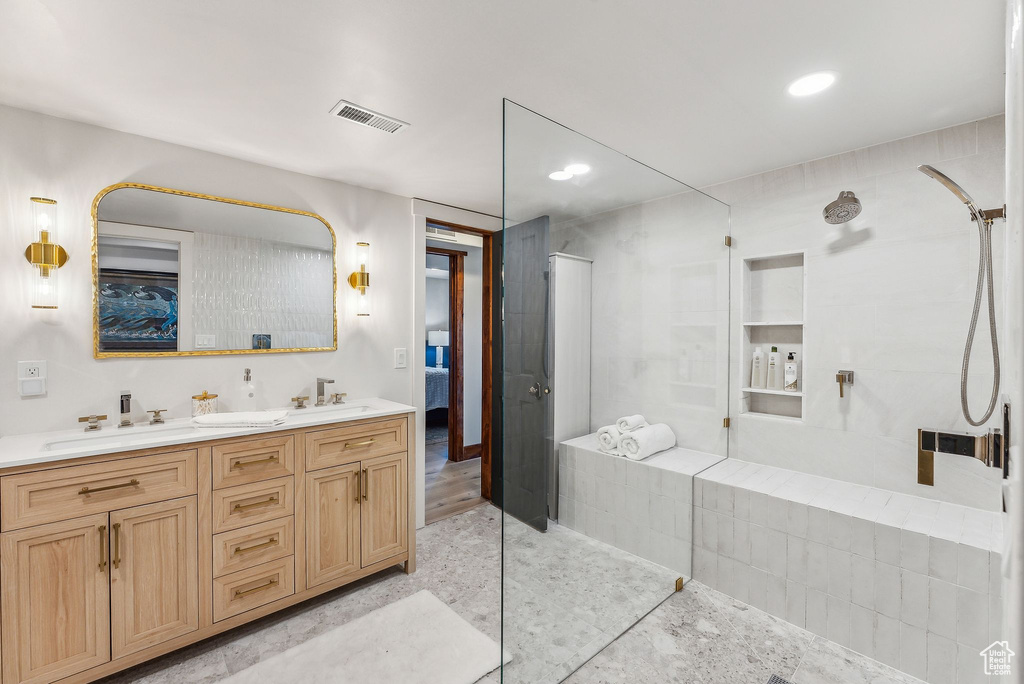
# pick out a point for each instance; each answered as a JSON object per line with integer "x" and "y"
{"x": 385, "y": 514}
{"x": 154, "y": 574}
{"x": 56, "y": 619}
{"x": 332, "y": 523}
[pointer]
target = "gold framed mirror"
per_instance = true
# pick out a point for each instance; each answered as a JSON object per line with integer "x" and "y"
{"x": 178, "y": 273}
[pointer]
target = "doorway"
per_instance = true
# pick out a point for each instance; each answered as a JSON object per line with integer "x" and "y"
{"x": 458, "y": 369}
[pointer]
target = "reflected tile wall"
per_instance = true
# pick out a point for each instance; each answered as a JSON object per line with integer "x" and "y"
{"x": 660, "y": 313}
{"x": 889, "y": 296}
{"x": 244, "y": 286}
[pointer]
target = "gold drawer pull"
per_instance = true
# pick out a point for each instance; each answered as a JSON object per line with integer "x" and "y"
{"x": 87, "y": 490}
{"x": 255, "y": 547}
{"x": 246, "y": 464}
{"x": 116, "y": 560}
{"x": 103, "y": 547}
{"x": 256, "y": 504}
{"x": 239, "y": 593}
{"x": 349, "y": 445}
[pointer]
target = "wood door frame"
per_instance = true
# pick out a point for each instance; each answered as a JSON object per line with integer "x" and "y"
{"x": 456, "y": 342}
{"x": 487, "y": 344}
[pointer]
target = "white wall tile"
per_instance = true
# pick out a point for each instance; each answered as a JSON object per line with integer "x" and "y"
{"x": 913, "y": 651}
{"x": 862, "y": 539}
{"x": 887, "y": 640}
{"x": 816, "y": 611}
{"x": 796, "y": 603}
{"x": 914, "y": 599}
{"x": 942, "y": 600}
{"x": 759, "y": 546}
{"x": 839, "y": 574}
{"x": 888, "y": 589}
{"x": 838, "y": 621}
{"x": 862, "y": 586}
{"x": 777, "y": 552}
{"x": 817, "y": 566}
{"x": 817, "y": 524}
{"x": 757, "y": 588}
{"x": 840, "y": 531}
{"x": 972, "y": 568}
{"x": 942, "y": 559}
{"x": 914, "y": 551}
{"x": 796, "y": 559}
{"x": 887, "y": 543}
{"x": 971, "y": 618}
{"x": 862, "y": 630}
{"x": 777, "y": 596}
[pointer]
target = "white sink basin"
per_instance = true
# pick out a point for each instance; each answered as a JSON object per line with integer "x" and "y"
{"x": 140, "y": 434}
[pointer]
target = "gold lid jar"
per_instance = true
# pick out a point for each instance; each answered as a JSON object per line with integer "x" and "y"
{"x": 204, "y": 404}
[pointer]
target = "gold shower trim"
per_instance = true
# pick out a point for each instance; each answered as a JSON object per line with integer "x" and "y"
{"x": 212, "y": 352}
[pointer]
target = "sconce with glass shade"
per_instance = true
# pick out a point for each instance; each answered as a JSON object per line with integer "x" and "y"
{"x": 360, "y": 279}
{"x": 45, "y": 254}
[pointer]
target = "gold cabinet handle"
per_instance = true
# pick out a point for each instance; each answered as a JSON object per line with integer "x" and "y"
{"x": 359, "y": 485}
{"x": 366, "y": 487}
{"x": 92, "y": 490}
{"x": 239, "y": 593}
{"x": 255, "y": 547}
{"x": 116, "y": 559}
{"x": 256, "y": 504}
{"x": 368, "y": 442}
{"x": 260, "y": 461}
{"x": 103, "y": 547}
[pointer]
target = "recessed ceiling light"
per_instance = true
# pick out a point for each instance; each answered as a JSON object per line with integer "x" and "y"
{"x": 811, "y": 83}
{"x": 577, "y": 169}
{"x": 560, "y": 175}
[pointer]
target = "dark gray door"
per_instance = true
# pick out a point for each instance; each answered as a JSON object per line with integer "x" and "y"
{"x": 526, "y": 382}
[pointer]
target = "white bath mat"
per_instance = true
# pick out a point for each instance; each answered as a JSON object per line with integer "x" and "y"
{"x": 417, "y": 640}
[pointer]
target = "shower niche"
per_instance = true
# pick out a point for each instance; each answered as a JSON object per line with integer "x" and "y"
{"x": 773, "y": 307}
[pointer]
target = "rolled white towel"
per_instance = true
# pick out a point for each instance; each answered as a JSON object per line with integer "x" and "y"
{"x": 241, "y": 419}
{"x": 647, "y": 441}
{"x": 608, "y": 440}
{"x": 630, "y": 423}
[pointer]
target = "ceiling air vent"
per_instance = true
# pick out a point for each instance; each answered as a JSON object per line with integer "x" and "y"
{"x": 367, "y": 117}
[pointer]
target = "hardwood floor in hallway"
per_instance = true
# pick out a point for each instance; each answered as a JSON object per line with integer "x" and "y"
{"x": 451, "y": 488}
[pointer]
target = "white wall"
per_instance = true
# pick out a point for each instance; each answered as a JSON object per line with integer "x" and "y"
{"x": 888, "y": 297}
{"x": 437, "y": 304}
{"x": 71, "y": 162}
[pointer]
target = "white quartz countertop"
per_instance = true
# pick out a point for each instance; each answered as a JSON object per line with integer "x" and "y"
{"x": 47, "y": 447}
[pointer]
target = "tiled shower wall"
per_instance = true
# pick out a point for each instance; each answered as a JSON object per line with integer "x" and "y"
{"x": 889, "y": 296}
{"x": 244, "y": 286}
{"x": 660, "y": 324}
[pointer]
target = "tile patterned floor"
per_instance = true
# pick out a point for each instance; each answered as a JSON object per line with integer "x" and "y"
{"x": 700, "y": 636}
{"x": 569, "y": 600}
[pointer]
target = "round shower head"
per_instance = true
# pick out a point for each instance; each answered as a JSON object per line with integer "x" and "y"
{"x": 844, "y": 208}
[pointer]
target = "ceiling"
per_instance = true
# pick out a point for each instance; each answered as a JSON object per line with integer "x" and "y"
{"x": 693, "y": 88}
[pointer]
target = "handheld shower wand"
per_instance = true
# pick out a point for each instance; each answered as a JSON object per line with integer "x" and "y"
{"x": 984, "y": 220}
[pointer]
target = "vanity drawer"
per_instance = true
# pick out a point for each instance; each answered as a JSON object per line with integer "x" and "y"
{"x": 248, "y": 546}
{"x": 252, "y": 503}
{"x": 253, "y": 460}
{"x": 252, "y": 588}
{"x": 63, "y": 493}
{"x": 326, "y": 448}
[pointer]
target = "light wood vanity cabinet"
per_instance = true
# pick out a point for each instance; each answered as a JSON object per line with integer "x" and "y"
{"x": 109, "y": 561}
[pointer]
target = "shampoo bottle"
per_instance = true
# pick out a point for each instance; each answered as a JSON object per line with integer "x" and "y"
{"x": 791, "y": 375}
{"x": 757, "y": 376}
{"x": 774, "y": 370}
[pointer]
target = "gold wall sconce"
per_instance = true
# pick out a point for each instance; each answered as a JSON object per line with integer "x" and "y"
{"x": 360, "y": 279}
{"x": 45, "y": 254}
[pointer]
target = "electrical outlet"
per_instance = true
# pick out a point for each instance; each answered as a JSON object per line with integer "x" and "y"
{"x": 401, "y": 357}
{"x": 31, "y": 369}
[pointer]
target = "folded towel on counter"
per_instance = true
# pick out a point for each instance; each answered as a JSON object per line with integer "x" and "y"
{"x": 241, "y": 419}
{"x": 608, "y": 440}
{"x": 647, "y": 441}
{"x": 630, "y": 423}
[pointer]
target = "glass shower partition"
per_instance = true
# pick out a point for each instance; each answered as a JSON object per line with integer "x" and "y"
{"x": 614, "y": 302}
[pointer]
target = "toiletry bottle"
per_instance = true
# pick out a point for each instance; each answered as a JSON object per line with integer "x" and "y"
{"x": 791, "y": 378}
{"x": 249, "y": 400}
{"x": 774, "y": 370}
{"x": 757, "y": 376}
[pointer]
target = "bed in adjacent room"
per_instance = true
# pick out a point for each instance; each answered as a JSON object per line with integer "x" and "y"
{"x": 437, "y": 388}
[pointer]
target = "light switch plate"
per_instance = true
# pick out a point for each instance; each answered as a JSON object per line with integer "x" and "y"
{"x": 401, "y": 357}
{"x": 31, "y": 387}
{"x": 206, "y": 341}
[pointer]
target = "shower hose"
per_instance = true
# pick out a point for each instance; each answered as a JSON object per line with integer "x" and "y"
{"x": 984, "y": 274}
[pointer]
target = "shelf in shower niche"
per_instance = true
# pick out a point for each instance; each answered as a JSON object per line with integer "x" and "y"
{"x": 781, "y": 393}
{"x": 778, "y": 323}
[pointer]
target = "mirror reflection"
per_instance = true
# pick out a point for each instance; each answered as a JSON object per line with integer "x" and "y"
{"x": 183, "y": 273}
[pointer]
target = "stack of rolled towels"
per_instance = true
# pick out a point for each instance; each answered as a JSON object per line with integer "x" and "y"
{"x": 635, "y": 438}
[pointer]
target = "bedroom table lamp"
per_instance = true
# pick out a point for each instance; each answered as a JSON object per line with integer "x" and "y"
{"x": 439, "y": 339}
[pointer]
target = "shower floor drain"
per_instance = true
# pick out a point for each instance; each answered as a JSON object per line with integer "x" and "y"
{"x": 776, "y": 679}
